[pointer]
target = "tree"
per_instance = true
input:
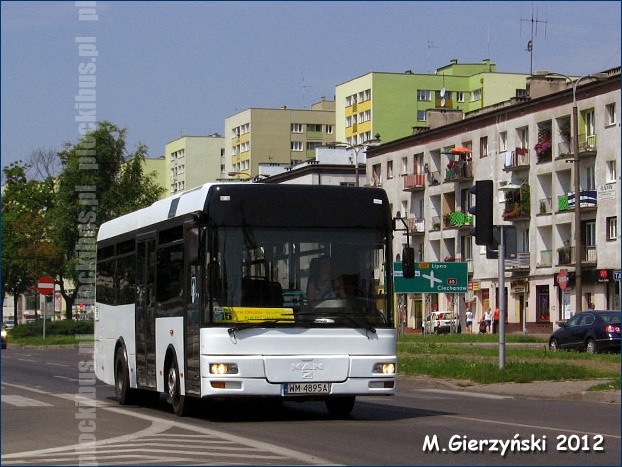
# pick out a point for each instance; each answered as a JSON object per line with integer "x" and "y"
{"x": 28, "y": 250}
{"x": 99, "y": 181}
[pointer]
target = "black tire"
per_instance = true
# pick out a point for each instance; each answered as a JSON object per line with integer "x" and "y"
{"x": 340, "y": 406}
{"x": 553, "y": 345}
{"x": 125, "y": 395}
{"x": 590, "y": 346}
{"x": 181, "y": 404}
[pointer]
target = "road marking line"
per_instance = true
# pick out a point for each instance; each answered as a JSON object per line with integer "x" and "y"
{"x": 21, "y": 401}
{"x": 480, "y": 395}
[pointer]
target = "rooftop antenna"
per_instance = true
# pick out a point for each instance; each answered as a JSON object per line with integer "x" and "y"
{"x": 534, "y": 32}
{"x": 430, "y": 46}
{"x": 304, "y": 92}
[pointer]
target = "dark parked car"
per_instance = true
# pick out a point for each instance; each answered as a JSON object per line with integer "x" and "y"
{"x": 590, "y": 330}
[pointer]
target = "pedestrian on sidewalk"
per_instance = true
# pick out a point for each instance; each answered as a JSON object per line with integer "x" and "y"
{"x": 488, "y": 318}
{"x": 469, "y": 321}
{"x": 495, "y": 321}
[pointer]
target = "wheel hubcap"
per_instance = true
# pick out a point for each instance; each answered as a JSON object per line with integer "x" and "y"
{"x": 172, "y": 383}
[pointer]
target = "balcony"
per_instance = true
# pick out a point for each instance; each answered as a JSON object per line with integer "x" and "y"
{"x": 588, "y": 199}
{"x": 459, "y": 170}
{"x": 416, "y": 226}
{"x": 565, "y": 255}
{"x": 457, "y": 219}
{"x": 517, "y": 159}
{"x": 521, "y": 262}
{"x": 587, "y": 145}
{"x": 415, "y": 182}
{"x": 590, "y": 254}
{"x": 546, "y": 259}
{"x": 545, "y": 206}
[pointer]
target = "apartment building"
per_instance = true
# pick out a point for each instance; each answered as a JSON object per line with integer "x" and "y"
{"x": 394, "y": 105}
{"x": 525, "y": 147}
{"x": 276, "y": 136}
{"x": 194, "y": 160}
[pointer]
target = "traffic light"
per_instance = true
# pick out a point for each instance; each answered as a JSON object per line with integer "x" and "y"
{"x": 408, "y": 262}
{"x": 482, "y": 210}
{"x": 509, "y": 243}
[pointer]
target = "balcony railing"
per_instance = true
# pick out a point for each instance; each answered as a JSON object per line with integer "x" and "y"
{"x": 414, "y": 182}
{"x": 515, "y": 159}
{"x": 416, "y": 225}
{"x": 546, "y": 258}
{"x": 565, "y": 255}
{"x": 521, "y": 261}
{"x": 588, "y": 198}
{"x": 590, "y": 254}
{"x": 587, "y": 143}
{"x": 462, "y": 171}
{"x": 544, "y": 206}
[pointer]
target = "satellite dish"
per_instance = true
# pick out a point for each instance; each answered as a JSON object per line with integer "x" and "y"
{"x": 443, "y": 102}
{"x": 442, "y": 92}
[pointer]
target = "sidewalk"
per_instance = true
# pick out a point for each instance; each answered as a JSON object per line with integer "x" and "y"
{"x": 566, "y": 390}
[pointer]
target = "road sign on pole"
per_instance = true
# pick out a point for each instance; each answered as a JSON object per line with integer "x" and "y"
{"x": 562, "y": 279}
{"x": 439, "y": 277}
{"x": 45, "y": 285}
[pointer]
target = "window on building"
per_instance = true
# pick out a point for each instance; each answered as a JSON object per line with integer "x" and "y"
{"x": 424, "y": 95}
{"x": 311, "y": 145}
{"x": 314, "y": 127}
{"x": 611, "y": 114}
{"x": 612, "y": 171}
{"x": 329, "y": 129}
{"x": 589, "y": 123}
{"x": 460, "y": 96}
{"x": 421, "y": 115}
{"x": 296, "y": 127}
{"x": 590, "y": 178}
{"x": 296, "y": 145}
{"x": 476, "y": 95}
{"x": 367, "y": 95}
{"x": 389, "y": 169}
{"x": 523, "y": 137}
{"x": 612, "y": 228}
{"x": 348, "y": 121}
{"x": 483, "y": 146}
{"x": 404, "y": 166}
{"x": 503, "y": 141}
{"x": 521, "y": 93}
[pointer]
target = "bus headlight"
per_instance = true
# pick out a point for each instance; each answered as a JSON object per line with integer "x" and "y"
{"x": 223, "y": 369}
{"x": 384, "y": 368}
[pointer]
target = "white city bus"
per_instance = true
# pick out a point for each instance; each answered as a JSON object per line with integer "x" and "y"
{"x": 205, "y": 295}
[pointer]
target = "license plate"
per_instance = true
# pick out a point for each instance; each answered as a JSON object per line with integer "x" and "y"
{"x": 306, "y": 388}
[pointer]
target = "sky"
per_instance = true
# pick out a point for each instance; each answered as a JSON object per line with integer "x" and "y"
{"x": 168, "y": 69}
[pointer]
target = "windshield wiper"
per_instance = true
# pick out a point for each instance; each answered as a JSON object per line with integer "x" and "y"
{"x": 349, "y": 317}
{"x": 260, "y": 324}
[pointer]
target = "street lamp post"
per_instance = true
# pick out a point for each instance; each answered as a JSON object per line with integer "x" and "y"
{"x": 357, "y": 149}
{"x": 578, "y": 245}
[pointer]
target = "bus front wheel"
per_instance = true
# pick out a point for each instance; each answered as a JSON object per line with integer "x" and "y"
{"x": 173, "y": 392}
{"x": 122, "y": 379}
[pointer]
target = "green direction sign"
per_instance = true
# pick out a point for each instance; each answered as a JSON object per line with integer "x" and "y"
{"x": 432, "y": 278}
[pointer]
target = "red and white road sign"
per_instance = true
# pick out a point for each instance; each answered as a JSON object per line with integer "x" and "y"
{"x": 562, "y": 279}
{"x": 45, "y": 285}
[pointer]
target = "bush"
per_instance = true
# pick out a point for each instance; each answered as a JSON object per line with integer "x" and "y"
{"x": 67, "y": 327}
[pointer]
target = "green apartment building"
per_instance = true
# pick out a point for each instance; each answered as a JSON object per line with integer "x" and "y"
{"x": 394, "y": 105}
{"x": 277, "y": 136}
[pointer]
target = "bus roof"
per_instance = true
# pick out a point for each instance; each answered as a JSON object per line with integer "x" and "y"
{"x": 257, "y": 204}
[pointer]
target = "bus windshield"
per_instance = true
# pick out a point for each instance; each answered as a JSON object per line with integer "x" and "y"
{"x": 285, "y": 277}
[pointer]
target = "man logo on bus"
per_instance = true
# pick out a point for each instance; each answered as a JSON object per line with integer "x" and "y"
{"x": 307, "y": 367}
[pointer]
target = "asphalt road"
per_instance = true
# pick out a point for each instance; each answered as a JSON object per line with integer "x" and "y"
{"x": 53, "y": 412}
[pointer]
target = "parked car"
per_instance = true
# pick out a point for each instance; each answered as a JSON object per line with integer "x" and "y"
{"x": 592, "y": 331}
{"x": 9, "y": 324}
{"x": 439, "y": 322}
{"x": 4, "y": 337}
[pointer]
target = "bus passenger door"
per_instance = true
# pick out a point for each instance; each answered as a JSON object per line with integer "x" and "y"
{"x": 145, "y": 309}
{"x": 194, "y": 255}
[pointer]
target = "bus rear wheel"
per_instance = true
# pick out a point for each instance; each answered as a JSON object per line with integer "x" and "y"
{"x": 340, "y": 406}
{"x": 180, "y": 403}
